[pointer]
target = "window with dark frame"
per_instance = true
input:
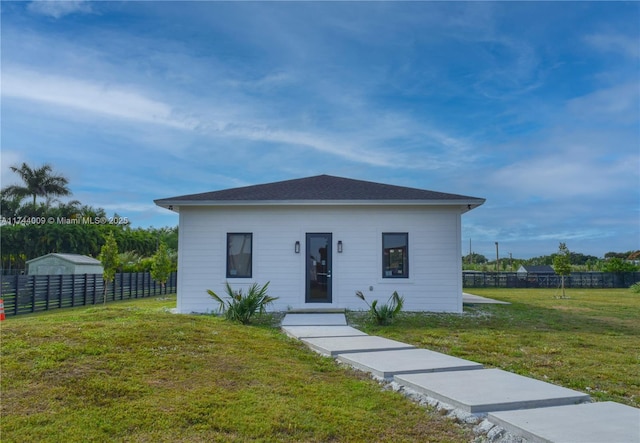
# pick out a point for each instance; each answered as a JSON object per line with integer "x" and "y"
{"x": 239, "y": 255}
{"x": 395, "y": 255}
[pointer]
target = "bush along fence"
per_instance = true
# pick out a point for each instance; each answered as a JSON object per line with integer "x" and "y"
{"x": 23, "y": 294}
{"x": 575, "y": 280}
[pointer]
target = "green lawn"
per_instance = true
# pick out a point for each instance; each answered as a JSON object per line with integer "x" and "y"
{"x": 589, "y": 342}
{"x": 132, "y": 371}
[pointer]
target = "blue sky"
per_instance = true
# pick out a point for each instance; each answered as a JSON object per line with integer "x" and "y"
{"x": 534, "y": 106}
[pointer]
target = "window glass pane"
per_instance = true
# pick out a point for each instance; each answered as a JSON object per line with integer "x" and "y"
{"x": 395, "y": 255}
{"x": 239, "y": 251}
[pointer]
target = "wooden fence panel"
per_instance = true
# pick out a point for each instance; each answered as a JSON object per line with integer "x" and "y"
{"x": 33, "y": 293}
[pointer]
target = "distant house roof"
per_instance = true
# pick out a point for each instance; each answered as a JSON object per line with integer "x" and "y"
{"x": 321, "y": 189}
{"x": 76, "y": 259}
{"x": 541, "y": 269}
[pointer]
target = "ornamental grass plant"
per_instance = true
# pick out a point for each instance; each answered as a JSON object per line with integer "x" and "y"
{"x": 241, "y": 307}
{"x": 384, "y": 314}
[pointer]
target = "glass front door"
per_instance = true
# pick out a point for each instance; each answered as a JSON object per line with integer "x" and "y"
{"x": 318, "y": 268}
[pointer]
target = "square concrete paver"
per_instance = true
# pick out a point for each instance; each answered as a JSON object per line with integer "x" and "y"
{"x": 591, "y": 422}
{"x": 341, "y": 345}
{"x": 386, "y": 364}
{"x": 486, "y": 390}
{"x": 320, "y": 331}
{"x": 314, "y": 320}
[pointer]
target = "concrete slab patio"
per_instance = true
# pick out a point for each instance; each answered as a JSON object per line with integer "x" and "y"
{"x": 386, "y": 364}
{"x": 591, "y": 422}
{"x": 471, "y": 299}
{"x": 333, "y": 346}
{"x": 321, "y": 331}
{"x": 487, "y": 390}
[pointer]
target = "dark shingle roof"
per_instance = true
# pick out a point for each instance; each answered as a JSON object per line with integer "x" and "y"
{"x": 319, "y": 188}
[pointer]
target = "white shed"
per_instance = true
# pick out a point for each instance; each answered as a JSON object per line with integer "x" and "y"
{"x": 320, "y": 239}
{"x": 56, "y": 264}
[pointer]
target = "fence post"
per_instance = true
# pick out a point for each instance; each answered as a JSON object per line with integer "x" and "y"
{"x": 33, "y": 292}
{"x": 94, "y": 287}
{"x": 15, "y": 307}
{"x": 61, "y": 291}
{"x": 48, "y": 292}
{"x": 73, "y": 290}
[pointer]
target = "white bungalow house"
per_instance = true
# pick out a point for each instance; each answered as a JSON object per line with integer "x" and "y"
{"x": 320, "y": 239}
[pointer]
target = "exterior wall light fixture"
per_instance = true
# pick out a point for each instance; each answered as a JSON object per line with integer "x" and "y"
{"x": 340, "y": 246}
{"x": 296, "y": 248}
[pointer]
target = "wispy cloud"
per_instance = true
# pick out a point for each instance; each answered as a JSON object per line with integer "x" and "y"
{"x": 459, "y": 97}
{"x": 617, "y": 104}
{"x": 59, "y": 8}
{"x": 115, "y": 101}
{"x": 626, "y": 45}
{"x": 556, "y": 177}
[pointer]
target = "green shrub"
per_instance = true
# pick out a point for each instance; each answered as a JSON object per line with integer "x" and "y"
{"x": 635, "y": 287}
{"x": 383, "y": 315}
{"x": 241, "y": 307}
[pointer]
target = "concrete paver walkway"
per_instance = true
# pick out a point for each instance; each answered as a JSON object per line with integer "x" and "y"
{"x": 320, "y": 331}
{"x": 344, "y": 345}
{"x": 386, "y": 364}
{"x": 488, "y": 390}
{"x": 591, "y": 422}
{"x": 535, "y": 410}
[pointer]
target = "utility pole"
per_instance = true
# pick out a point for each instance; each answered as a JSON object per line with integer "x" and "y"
{"x": 497, "y": 258}
{"x": 510, "y": 261}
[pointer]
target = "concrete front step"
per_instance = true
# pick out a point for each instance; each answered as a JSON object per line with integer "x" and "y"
{"x": 591, "y": 422}
{"x": 317, "y": 311}
{"x": 487, "y": 390}
{"x": 386, "y": 364}
{"x": 321, "y": 331}
{"x": 333, "y": 346}
{"x": 314, "y": 319}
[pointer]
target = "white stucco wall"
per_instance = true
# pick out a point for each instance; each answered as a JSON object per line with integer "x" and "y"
{"x": 434, "y": 254}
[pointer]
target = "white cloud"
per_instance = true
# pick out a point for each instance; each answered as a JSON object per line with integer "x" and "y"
{"x": 628, "y": 46}
{"x": 112, "y": 100}
{"x": 59, "y": 8}
{"x": 620, "y": 102}
{"x": 562, "y": 176}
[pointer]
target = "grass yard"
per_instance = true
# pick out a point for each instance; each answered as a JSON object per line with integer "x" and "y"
{"x": 132, "y": 371}
{"x": 589, "y": 342}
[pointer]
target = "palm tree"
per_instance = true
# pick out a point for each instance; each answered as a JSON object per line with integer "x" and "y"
{"x": 38, "y": 182}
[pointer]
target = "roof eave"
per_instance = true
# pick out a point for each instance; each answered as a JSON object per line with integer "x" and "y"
{"x": 466, "y": 204}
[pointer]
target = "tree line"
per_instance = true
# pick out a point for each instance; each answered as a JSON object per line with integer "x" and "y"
{"x": 35, "y": 223}
{"x": 612, "y": 262}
